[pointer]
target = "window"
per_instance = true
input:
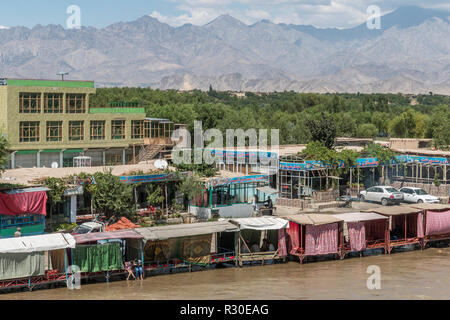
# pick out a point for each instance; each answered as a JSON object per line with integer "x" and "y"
{"x": 29, "y": 131}
{"x": 168, "y": 129}
{"x": 54, "y": 130}
{"x": 137, "y": 129}
{"x": 76, "y": 130}
{"x": 53, "y": 103}
{"x": 155, "y": 132}
{"x": 29, "y": 102}
{"x": 75, "y": 103}
{"x": 97, "y": 130}
{"x": 118, "y": 129}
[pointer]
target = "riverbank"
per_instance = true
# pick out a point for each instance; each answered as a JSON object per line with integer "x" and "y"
{"x": 404, "y": 275}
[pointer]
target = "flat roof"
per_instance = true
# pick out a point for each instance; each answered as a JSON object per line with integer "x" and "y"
{"x": 48, "y": 83}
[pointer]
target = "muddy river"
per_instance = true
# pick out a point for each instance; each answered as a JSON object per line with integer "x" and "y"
{"x": 403, "y": 275}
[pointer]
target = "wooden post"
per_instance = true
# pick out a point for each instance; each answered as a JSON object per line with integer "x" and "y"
{"x": 357, "y": 171}
{"x": 167, "y": 206}
{"x": 238, "y": 254}
{"x": 405, "y": 227}
{"x": 65, "y": 263}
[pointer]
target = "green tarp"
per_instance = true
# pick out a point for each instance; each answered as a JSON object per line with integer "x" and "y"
{"x": 21, "y": 265}
{"x": 94, "y": 258}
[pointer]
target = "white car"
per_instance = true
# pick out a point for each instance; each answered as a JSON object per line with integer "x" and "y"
{"x": 382, "y": 194}
{"x": 418, "y": 195}
{"x": 89, "y": 227}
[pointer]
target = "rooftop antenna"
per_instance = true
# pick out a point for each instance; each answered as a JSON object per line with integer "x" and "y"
{"x": 62, "y": 74}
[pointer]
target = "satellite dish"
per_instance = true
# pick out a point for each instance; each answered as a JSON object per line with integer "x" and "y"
{"x": 161, "y": 164}
{"x": 55, "y": 165}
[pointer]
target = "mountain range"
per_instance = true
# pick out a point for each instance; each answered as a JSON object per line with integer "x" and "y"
{"x": 409, "y": 54}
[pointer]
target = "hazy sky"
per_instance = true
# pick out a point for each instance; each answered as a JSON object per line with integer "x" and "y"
{"x": 100, "y": 13}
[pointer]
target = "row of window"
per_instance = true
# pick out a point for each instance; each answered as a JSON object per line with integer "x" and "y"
{"x": 29, "y": 131}
{"x": 53, "y": 103}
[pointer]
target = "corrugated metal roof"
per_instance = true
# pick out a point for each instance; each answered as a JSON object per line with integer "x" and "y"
{"x": 359, "y": 216}
{"x": 185, "y": 230}
{"x": 96, "y": 236}
{"x": 315, "y": 219}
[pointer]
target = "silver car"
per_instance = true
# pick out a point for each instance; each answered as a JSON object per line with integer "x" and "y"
{"x": 382, "y": 194}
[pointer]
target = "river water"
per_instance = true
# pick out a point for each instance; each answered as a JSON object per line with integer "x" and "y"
{"x": 404, "y": 275}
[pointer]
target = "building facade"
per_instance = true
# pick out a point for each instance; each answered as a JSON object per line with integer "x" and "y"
{"x": 47, "y": 121}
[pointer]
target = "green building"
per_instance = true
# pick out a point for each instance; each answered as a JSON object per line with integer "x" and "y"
{"x": 49, "y": 121}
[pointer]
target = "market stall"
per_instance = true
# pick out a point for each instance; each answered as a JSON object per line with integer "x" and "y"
{"x": 261, "y": 239}
{"x": 364, "y": 231}
{"x": 34, "y": 260}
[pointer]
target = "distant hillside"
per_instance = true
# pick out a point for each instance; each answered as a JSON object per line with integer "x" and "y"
{"x": 410, "y": 54}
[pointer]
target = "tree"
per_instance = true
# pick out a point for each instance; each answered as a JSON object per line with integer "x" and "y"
{"x": 4, "y": 154}
{"x": 110, "y": 196}
{"x": 323, "y": 130}
{"x": 154, "y": 194}
{"x": 367, "y": 130}
{"x": 57, "y": 188}
{"x": 190, "y": 186}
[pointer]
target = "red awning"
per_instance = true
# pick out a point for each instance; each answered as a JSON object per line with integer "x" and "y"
{"x": 95, "y": 236}
{"x": 23, "y": 203}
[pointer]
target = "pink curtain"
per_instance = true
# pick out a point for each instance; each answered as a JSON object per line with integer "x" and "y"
{"x": 23, "y": 203}
{"x": 357, "y": 235}
{"x": 282, "y": 252}
{"x": 375, "y": 229}
{"x": 321, "y": 239}
{"x": 420, "y": 225}
{"x": 437, "y": 222}
{"x": 293, "y": 238}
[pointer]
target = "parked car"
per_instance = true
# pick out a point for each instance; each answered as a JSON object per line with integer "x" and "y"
{"x": 418, "y": 195}
{"x": 89, "y": 227}
{"x": 383, "y": 194}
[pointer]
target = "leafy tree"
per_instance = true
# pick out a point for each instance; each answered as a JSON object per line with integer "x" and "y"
{"x": 323, "y": 130}
{"x": 154, "y": 194}
{"x": 375, "y": 150}
{"x": 4, "y": 154}
{"x": 110, "y": 196}
{"x": 367, "y": 130}
{"x": 57, "y": 187}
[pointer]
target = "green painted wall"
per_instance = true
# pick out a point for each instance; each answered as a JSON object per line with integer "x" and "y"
{"x": 116, "y": 110}
{"x": 26, "y": 230}
{"x": 50, "y": 83}
{"x": 10, "y": 118}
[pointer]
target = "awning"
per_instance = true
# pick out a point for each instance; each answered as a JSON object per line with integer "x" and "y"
{"x": 267, "y": 190}
{"x": 185, "y": 230}
{"x": 96, "y": 236}
{"x": 45, "y": 242}
{"x": 431, "y": 206}
{"x": 393, "y": 210}
{"x": 359, "y": 216}
{"x": 261, "y": 223}
{"x": 315, "y": 219}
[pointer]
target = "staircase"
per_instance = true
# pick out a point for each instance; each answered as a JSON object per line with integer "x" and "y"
{"x": 149, "y": 152}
